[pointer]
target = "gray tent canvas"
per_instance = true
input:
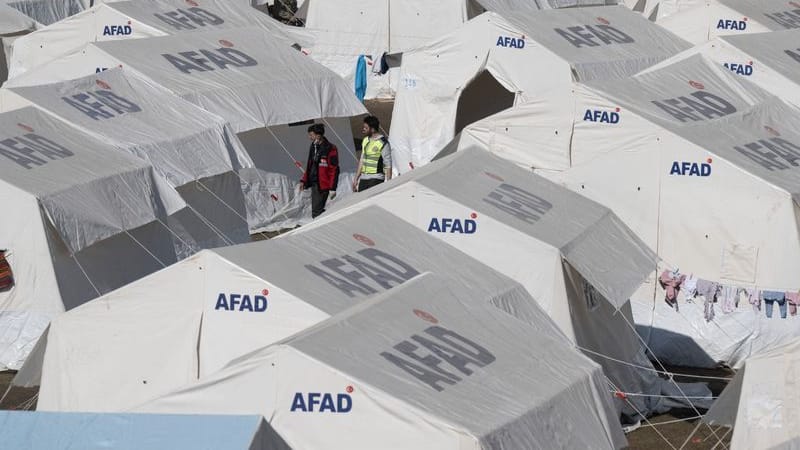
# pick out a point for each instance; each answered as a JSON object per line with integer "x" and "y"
{"x": 574, "y": 256}
{"x": 428, "y": 364}
{"x": 81, "y": 219}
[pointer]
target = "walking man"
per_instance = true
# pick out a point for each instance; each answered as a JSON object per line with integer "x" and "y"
{"x": 322, "y": 169}
{"x": 375, "y": 165}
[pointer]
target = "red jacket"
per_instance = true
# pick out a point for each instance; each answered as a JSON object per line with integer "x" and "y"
{"x": 326, "y": 166}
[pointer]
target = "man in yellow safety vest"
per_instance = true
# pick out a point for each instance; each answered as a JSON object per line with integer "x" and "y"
{"x": 375, "y": 165}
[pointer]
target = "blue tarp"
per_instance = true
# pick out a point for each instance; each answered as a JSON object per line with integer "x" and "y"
{"x": 86, "y": 431}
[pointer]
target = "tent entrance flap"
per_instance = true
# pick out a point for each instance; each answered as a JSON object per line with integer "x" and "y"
{"x": 481, "y": 98}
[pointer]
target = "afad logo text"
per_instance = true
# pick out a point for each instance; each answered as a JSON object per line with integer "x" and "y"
{"x": 601, "y": 116}
{"x": 510, "y": 42}
{"x": 735, "y": 25}
{"x": 242, "y": 302}
{"x": 691, "y": 169}
{"x": 740, "y": 69}
{"x": 320, "y": 402}
{"x": 451, "y": 225}
{"x": 118, "y": 30}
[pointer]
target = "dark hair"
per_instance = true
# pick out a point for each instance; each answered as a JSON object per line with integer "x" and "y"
{"x": 317, "y": 128}
{"x": 372, "y": 122}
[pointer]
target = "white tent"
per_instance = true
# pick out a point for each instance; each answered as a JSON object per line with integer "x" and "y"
{"x": 345, "y": 29}
{"x": 133, "y": 20}
{"x": 702, "y": 21}
{"x": 221, "y": 304}
{"x": 13, "y": 24}
{"x": 494, "y": 62}
{"x": 57, "y": 431}
{"x": 46, "y": 12}
{"x": 80, "y": 218}
{"x": 701, "y": 165}
{"x": 264, "y": 88}
{"x": 761, "y": 403}
{"x": 194, "y": 151}
{"x": 769, "y": 60}
{"x": 430, "y": 364}
{"x": 572, "y": 255}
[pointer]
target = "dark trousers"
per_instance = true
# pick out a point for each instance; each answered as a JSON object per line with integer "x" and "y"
{"x": 318, "y": 200}
{"x": 363, "y": 185}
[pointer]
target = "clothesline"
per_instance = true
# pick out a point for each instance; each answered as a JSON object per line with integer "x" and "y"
{"x": 727, "y": 295}
{"x": 652, "y": 369}
{"x": 621, "y": 394}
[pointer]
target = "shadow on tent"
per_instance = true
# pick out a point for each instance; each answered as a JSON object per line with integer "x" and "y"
{"x": 692, "y": 355}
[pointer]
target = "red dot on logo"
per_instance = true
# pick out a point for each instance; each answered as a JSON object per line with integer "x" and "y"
{"x": 744, "y": 18}
{"x": 265, "y": 292}
{"x": 709, "y": 160}
{"x": 25, "y": 127}
{"x": 364, "y": 240}
{"x": 102, "y": 84}
{"x": 474, "y": 215}
{"x": 617, "y": 108}
{"x": 696, "y": 84}
{"x": 225, "y": 43}
{"x": 349, "y": 389}
{"x": 427, "y": 317}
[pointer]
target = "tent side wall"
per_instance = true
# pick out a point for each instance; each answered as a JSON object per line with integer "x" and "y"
{"x": 391, "y": 419}
{"x": 435, "y": 79}
{"x": 72, "y": 34}
{"x": 86, "y": 61}
{"x": 163, "y": 314}
{"x": 700, "y": 23}
{"x": 280, "y": 153}
{"x": 27, "y": 308}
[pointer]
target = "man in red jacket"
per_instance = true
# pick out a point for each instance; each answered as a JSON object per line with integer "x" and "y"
{"x": 322, "y": 169}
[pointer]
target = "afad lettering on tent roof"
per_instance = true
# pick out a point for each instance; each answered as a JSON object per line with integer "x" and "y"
{"x": 788, "y": 18}
{"x": 365, "y": 272}
{"x": 101, "y": 104}
{"x": 732, "y": 25}
{"x": 206, "y": 60}
{"x": 698, "y": 106}
{"x": 438, "y": 357}
{"x": 603, "y": 33}
{"x": 454, "y": 225}
{"x": 519, "y": 203}
{"x": 772, "y": 153}
{"x": 189, "y": 19}
{"x": 31, "y": 150}
{"x": 322, "y": 402}
{"x": 740, "y": 69}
